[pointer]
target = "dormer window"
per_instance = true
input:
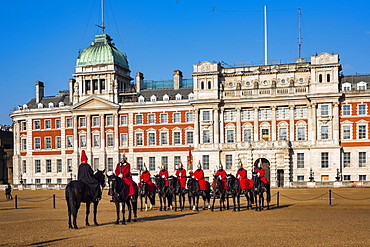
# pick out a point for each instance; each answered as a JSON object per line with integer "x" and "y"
{"x": 361, "y": 85}
{"x": 178, "y": 96}
{"x": 141, "y": 98}
{"x": 51, "y": 104}
{"x": 191, "y": 96}
{"x": 40, "y": 105}
{"x": 25, "y": 106}
{"x": 165, "y": 97}
{"x": 346, "y": 86}
{"x": 153, "y": 98}
{"x": 61, "y": 104}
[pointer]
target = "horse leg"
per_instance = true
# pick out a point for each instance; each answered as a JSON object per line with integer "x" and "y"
{"x": 174, "y": 197}
{"x": 213, "y": 204}
{"x": 234, "y": 201}
{"x": 160, "y": 202}
{"x": 95, "y": 212}
{"x": 117, "y": 212}
{"x": 87, "y": 214}
{"x": 128, "y": 202}
{"x": 227, "y": 201}
{"x": 141, "y": 203}
{"x": 134, "y": 209}
{"x": 123, "y": 213}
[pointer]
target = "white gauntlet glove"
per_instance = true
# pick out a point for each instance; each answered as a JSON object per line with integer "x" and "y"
{"x": 163, "y": 176}
{"x": 180, "y": 174}
{"x": 120, "y": 175}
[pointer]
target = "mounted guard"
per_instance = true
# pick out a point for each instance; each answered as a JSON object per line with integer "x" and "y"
{"x": 123, "y": 170}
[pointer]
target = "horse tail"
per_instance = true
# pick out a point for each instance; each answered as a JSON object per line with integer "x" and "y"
{"x": 71, "y": 199}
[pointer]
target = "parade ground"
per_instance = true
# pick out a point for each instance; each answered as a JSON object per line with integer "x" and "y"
{"x": 298, "y": 217}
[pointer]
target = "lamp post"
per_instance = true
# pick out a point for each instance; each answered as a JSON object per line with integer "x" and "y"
{"x": 338, "y": 175}
{"x": 21, "y": 178}
{"x": 312, "y": 176}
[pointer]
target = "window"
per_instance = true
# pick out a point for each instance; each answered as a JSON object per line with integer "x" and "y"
{"x": 59, "y": 181}
{"x": 124, "y": 139}
{"x": 247, "y": 114}
{"x": 102, "y": 84}
{"x": 59, "y": 165}
{"x": 247, "y": 135}
{"x": 300, "y": 178}
{"x": 347, "y": 177}
{"x": 265, "y": 134}
{"x": 37, "y": 181}
{"x": 48, "y": 165}
{"x": 69, "y": 122}
{"x": 37, "y": 143}
{"x": 362, "y": 132}
{"x": 283, "y": 134}
{"x": 37, "y": 124}
{"x": 320, "y": 77}
{"x": 109, "y": 121}
{"x": 177, "y": 117}
{"x": 361, "y": 109}
{"x": 300, "y": 160}
{"x": 206, "y": 136}
{"x": 189, "y": 117}
{"x": 301, "y": 112}
{"x": 230, "y": 115}
{"x": 24, "y": 126}
{"x": 88, "y": 85}
{"x": 69, "y": 165}
{"x": 229, "y": 161}
{"x": 264, "y": 114}
{"x": 24, "y": 166}
{"x": 95, "y": 84}
{"x": 206, "y": 115}
{"x": 83, "y": 141}
{"x": 82, "y": 122}
{"x": 165, "y": 161}
{"x": 139, "y": 139}
{"x": 230, "y": 136}
{"x": 324, "y": 110}
{"x": 48, "y": 181}
{"x": 324, "y": 132}
{"x": 139, "y": 163}
{"x": 327, "y": 77}
{"x": 362, "y": 159}
{"x": 37, "y": 166}
{"x": 346, "y": 86}
{"x": 96, "y": 121}
{"x": 189, "y": 137}
{"x": 361, "y": 85}
{"x": 178, "y": 96}
{"x": 152, "y": 139}
{"x": 47, "y": 124}
{"x": 346, "y": 160}
{"x": 48, "y": 142}
{"x": 110, "y": 164}
{"x": 123, "y": 120}
{"x": 96, "y": 140}
{"x": 152, "y": 163}
{"x": 24, "y": 144}
{"x": 164, "y": 140}
{"x": 176, "y": 138}
{"x": 59, "y": 142}
{"x": 346, "y": 110}
{"x": 151, "y": 118}
{"x": 69, "y": 142}
{"x": 110, "y": 142}
{"x": 283, "y": 113}
{"x": 346, "y": 132}
{"x": 164, "y": 118}
{"x": 205, "y": 161}
{"x": 301, "y": 133}
{"x": 325, "y": 160}
{"x": 361, "y": 177}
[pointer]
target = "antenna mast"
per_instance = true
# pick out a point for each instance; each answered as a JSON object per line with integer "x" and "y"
{"x": 265, "y": 25}
{"x": 299, "y": 34}
{"x": 102, "y": 17}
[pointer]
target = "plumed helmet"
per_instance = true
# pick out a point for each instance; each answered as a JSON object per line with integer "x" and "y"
{"x": 162, "y": 166}
{"x": 199, "y": 165}
{"x": 83, "y": 157}
{"x": 145, "y": 168}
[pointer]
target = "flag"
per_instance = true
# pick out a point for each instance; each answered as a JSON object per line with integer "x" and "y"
{"x": 190, "y": 160}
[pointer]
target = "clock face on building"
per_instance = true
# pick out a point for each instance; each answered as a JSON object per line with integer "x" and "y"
{"x": 283, "y": 81}
{"x": 265, "y": 82}
{"x": 301, "y": 80}
{"x": 231, "y": 84}
{"x": 248, "y": 83}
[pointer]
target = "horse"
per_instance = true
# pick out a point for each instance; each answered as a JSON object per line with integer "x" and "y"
{"x": 259, "y": 188}
{"x": 117, "y": 189}
{"x": 162, "y": 191}
{"x": 194, "y": 192}
{"x": 218, "y": 191}
{"x": 146, "y": 194}
{"x": 77, "y": 192}
{"x": 233, "y": 188}
{"x": 174, "y": 190}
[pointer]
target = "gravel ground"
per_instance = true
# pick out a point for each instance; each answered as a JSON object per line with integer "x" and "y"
{"x": 303, "y": 218}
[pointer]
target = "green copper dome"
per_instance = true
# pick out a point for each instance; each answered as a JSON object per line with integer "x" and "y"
{"x": 102, "y": 51}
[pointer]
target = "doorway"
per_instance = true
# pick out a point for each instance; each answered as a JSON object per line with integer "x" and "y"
{"x": 280, "y": 178}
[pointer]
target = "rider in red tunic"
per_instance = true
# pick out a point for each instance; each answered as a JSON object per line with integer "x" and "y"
{"x": 261, "y": 174}
{"x": 123, "y": 171}
{"x": 85, "y": 174}
{"x": 221, "y": 173}
{"x": 145, "y": 176}
{"x": 241, "y": 175}
{"x": 199, "y": 175}
{"x": 181, "y": 175}
{"x": 164, "y": 174}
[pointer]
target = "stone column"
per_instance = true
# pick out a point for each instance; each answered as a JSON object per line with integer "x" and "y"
{"x": 116, "y": 133}
{"x": 222, "y": 126}
{"x": 312, "y": 129}
{"x": 291, "y": 123}
{"x": 102, "y": 133}
{"x": 273, "y": 123}
{"x": 238, "y": 125}
{"x": 255, "y": 125}
{"x": 216, "y": 127}
{"x": 75, "y": 134}
{"x": 88, "y": 138}
{"x": 196, "y": 128}
{"x": 336, "y": 127}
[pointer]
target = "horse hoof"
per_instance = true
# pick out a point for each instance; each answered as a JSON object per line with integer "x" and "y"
{"x": 160, "y": 209}
{"x": 234, "y": 210}
{"x": 96, "y": 224}
{"x": 87, "y": 224}
{"x": 116, "y": 223}
{"x": 123, "y": 223}
{"x": 75, "y": 227}
{"x": 134, "y": 220}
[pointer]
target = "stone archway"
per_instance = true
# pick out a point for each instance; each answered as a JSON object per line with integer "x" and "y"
{"x": 265, "y": 164}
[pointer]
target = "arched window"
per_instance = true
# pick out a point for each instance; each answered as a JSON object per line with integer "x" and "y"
{"x": 320, "y": 78}
{"x": 202, "y": 85}
{"x": 209, "y": 84}
{"x": 328, "y": 78}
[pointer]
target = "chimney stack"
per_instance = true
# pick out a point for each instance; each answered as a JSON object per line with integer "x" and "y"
{"x": 177, "y": 79}
{"x": 39, "y": 91}
{"x": 139, "y": 81}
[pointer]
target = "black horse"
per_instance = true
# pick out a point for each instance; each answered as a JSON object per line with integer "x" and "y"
{"x": 233, "y": 189}
{"x": 174, "y": 190}
{"x": 145, "y": 194}
{"x": 163, "y": 194}
{"x": 259, "y": 188}
{"x": 194, "y": 192}
{"x": 117, "y": 189}
{"x": 77, "y": 192}
{"x": 218, "y": 191}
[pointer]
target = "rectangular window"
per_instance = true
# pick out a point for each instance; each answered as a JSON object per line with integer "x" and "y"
{"x": 205, "y": 161}
{"x": 247, "y": 135}
{"x": 110, "y": 142}
{"x": 151, "y": 139}
{"x": 24, "y": 167}
{"x": 229, "y": 161}
{"x": 264, "y": 114}
{"x": 300, "y": 160}
{"x": 37, "y": 166}
{"x": 176, "y": 138}
{"x": 206, "y": 136}
{"x": 24, "y": 126}
{"x": 69, "y": 165}
{"x": 164, "y": 138}
{"x": 69, "y": 141}
{"x": 230, "y": 136}
{"x": 247, "y": 114}
{"x": 324, "y": 160}
{"x": 139, "y": 163}
{"x": 361, "y": 177}
{"x": 176, "y": 162}
{"x": 164, "y": 118}
{"x": 124, "y": 139}
{"x": 123, "y": 120}
{"x": 95, "y": 84}
{"x": 361, "y": 109}
{"x": 301, "y": 135}
{"x": 346, "y": 160}
{"x": 265, "y": 134}
{"x": 189, "y": 117}
{"x": 69, "y": 122}
{"x": 110, "y": 164}
{"x": 139, "y": 119}
{"x": 346, "y": 110}
{"x": 24, "y": 144}
{"x": 48, "y": 165}
{"x": 37, "y": 143}
{"x": 37, "y": 181}
{"x": 151, "y": 118}
{"x": 83, "y": 141}
{"x": 347, "y": 177}
{"x": 96, "y": 121}
{"x": 102, "y": 84}
{"x": 82, "y": 122}
{"x": 324, "y": 110}
{"x": 177, "y": 117}
{"x": 139, "y": 139}
{"x": 59, "y": 165}
{"x": 362, "y": 132}
{"x": 59, "y": 142}
{"x": 47, "y": 124}
{"x": 189, "y": 137}
{"x": 362, "y": 159}
{"x": 230, "y": 115}
{"x": 324, "y": 132}
{"x": 37, "y": 124}
{"x": 109, "y": 121}
{"x": 206, "y": 115}
{"x": 59, "y": 181}
{"x": 152, "y": 163}
{"x": 48, "y": 181}
{"x": 300, "y": 178}
{"x": 96, "y": 140}
{"x": 346, "y": 132}
{"x": 165, "y": 161}
{"x": 48, "y": 142}
{"x": 283, "y": 134}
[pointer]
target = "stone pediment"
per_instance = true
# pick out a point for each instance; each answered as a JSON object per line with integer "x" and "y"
{"x": 94, "y": 103}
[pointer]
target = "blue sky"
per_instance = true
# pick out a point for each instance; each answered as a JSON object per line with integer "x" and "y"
{"x": 40, "y": 39}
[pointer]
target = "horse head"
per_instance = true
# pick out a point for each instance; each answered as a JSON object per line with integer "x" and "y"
{"x": 100, "y": 176}
{"x": 142, "y": 187}
{"x": 159, "y": 182}
{"x": 112, "y": 180}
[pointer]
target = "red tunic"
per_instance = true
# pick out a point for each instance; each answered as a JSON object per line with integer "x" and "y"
{"x": 164, "y": 175}
{"x": 124, "y": 169}
{"x": 222, "y": 174}
{"x": 199, "y": 175}
{"x": 245, "y": 183}
{"x": 261, "y": 174}
{"x": 181, "y": 175}
{"x": 145, "y": 176}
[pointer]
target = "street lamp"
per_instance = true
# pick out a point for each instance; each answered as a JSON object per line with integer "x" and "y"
{"x": 21, "y": 178}
{"x": 312, "y": 176}
{"x": 338, "y": 175}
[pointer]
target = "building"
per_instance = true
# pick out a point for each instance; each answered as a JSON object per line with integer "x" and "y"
{"x": 6, "y": 154}
{"x": 301, "y": 120}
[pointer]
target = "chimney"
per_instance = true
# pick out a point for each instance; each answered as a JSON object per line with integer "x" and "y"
{"x": 177, "y": 79}
{"x": 72, "y": 93}
{"x": 139, "y": 81}
{"x": 39, "y": 91}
